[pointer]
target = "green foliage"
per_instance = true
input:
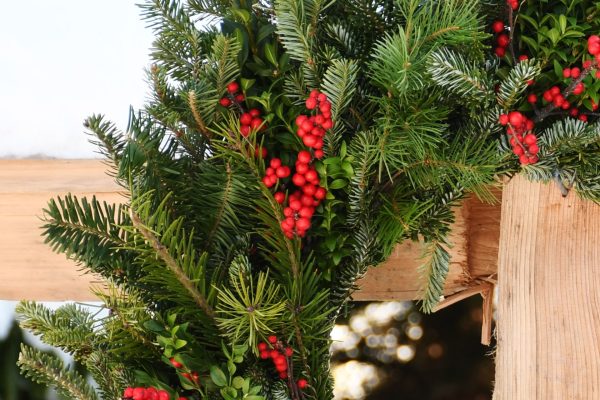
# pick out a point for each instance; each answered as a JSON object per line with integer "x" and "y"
{"x": 197, "y": 267}
{"x": 50, "y": 370}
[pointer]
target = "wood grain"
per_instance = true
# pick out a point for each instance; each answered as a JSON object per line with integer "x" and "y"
{"x": 28, "y": 267}
{"x": 548, "y": 325}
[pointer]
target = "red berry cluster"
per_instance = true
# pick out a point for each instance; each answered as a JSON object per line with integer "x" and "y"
{"x": 302, "y": 202}
{"x": 251, "y": 122}
{"x": 523, "y": 141}
{"x": 233, "y": 95}
{"x": 151, "y": 393}
{"x": 191, "y": 376}
{"x": 281, "y": 356}
{"x": 312, "y": 129}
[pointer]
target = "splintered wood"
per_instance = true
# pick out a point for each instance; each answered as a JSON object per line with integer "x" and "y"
{"x": 474, "y": 252}
{"x": 548, "y": 325}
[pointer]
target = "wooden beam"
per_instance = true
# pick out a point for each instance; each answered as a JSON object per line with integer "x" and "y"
{"x": 29, "y": 269}
{"x": 548, "y": 325}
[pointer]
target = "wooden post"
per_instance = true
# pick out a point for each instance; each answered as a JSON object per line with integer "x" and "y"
{"x": 548, "y": 325}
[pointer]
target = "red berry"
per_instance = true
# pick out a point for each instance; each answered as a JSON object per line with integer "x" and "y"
{"x": 555, "y": 90}
{"x": 264, "y": 355}
{"x": 575, "y": 72}
{"x": 309, "y": 140}
{"x": 303, "y": 223}
{"x": 503, "y": 40}
{"x": 312, "y": 176}
{"x": 273, "y": 353}
{"x": 254, "y": 112}
{"x": 515, "y": 118}
{"x": 283, "y": 375}
{"x": 283, "y": 171}
{"x": 524, "y": 159}
{"x": 309, "y": 190}
{"x": 530, "y": 139}
{"x": 175, "y": 363}
{"x": 498, "y": 26}
{"x": 579, "y": 88}
{"x": 583, "y": 118}
{"x": 532, "y": 159}
{"x": 245, "y": 130}
{"x": 532, "y": 98}
{"x": 256, "y": 123}
{"x": 163, "y": 395}
{"x": 225, "y": 102}
{"x": 548, "y": 96}
{"x": 567, "y": 73}
{"x": 319, "y": 154}
{"x": 302, "y": 383}
{"x": 523, "y": 57}
{"x": 587, "y": 64}
{"x": 311, "y": 103}
{"x": 518, "y": 150}
{"x": 503, "y": 119}
{"x": 280, "y": 198}
{"x": 533, "y": 149}
{"x": 289, "y": 351}
{"x": 301, "y": 168}
{"x": 298, "y": 180}
{"x": 245, "y": 119}
{"x": 304, "y": 157}
{"x": 320, "y": 193}
{"x": 573, "y": 112}
{"x": 275, "y": 163}
{"x": 138, "y": 393}
{"x": 272, "y": 339}
{"x": 307, "y": 125}
{"x": 239, "y": 98}
{"x": 233, "y": 87}
{"x": 597, "y": 74}
{"x": 262, "y": 346}
{"x": 314, "y": 93}
{"x": 128, "y": 392}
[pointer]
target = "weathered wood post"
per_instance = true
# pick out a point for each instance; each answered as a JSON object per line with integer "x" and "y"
{"x": 548, "y": 325}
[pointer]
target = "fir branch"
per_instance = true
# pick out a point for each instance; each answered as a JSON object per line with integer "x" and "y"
{"x": 451, "y": 71}
{"x": 171, "y": 264}
{"x": 434, "y": 271}
{"x": 339, "y": 83}
{"x": 513, "y": 86}
{"x": 197, "y": 117}
{"x": 49, "y": 370}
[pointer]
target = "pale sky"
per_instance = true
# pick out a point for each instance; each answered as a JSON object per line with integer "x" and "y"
{"x": 61, "y": 61}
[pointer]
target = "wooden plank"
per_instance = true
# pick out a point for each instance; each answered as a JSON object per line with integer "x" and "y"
{"x": 548, "y": 325}
{"x": 29, "y": 269}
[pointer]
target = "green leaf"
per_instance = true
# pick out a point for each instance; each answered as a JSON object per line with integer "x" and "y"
{"x": 218, "y": 376}
{"x": 229, "y": 393}
{"x": 238, "y": 382}
{"x": 338, "y": 184}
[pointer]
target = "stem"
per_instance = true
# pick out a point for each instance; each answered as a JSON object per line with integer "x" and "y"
{"x": 546, "y": 111}
{"x": 511, "y": 24}
{"x": 172, "y": 264}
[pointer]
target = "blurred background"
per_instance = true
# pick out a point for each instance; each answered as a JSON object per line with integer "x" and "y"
{"x": 381, "y": 351}
{"x": 63, "y": 61}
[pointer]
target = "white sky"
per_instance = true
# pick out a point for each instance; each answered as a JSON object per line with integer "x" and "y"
{"x": 61, "y": 61}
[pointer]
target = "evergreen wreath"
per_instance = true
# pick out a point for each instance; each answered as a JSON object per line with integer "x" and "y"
{"x": 289, "y": 146}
